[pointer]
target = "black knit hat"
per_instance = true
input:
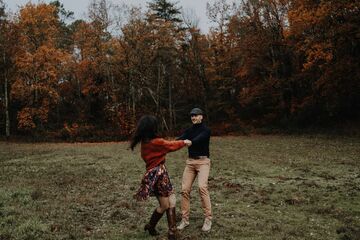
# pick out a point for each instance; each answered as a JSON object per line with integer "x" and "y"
{"x": 196, "y": 111}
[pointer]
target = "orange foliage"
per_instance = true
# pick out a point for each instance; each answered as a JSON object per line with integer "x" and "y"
{"x": 265, "y": 62}
{"x": 25, "y": 119}
{"x": 40, "y": 64}
{"x": 38, "y": 24}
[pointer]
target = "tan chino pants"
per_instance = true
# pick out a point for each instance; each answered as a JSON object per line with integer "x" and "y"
{"x": 201, "y": 169}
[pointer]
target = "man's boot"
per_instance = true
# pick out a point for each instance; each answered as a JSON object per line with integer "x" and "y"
{"x": 155, "y": 217}
{"x": 171, "y": 217}
{"x": 183, "y": 224}
{"x": 207, "y": 225}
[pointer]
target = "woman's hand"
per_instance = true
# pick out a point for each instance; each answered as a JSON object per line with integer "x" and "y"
{"x": 187, "y": 142}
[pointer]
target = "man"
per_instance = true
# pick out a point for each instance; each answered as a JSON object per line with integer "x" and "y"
{"x": 198, "y": 164}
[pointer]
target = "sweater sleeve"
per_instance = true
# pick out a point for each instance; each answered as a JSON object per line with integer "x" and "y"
{"x": 183, "y": 136}
{"x": 170, "y": 146}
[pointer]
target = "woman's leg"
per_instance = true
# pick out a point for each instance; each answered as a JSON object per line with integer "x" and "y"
{"x": 157, "y": 214}
{"x": 171, "y": 217}
{"x": 164, "y": 204}
{"x": 168, "y": 203}
{"x": 150, "y": 227}
{"x": 172, "y": 200}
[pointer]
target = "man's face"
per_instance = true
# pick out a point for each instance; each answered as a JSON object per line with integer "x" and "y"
{"x": 196, "y": 119}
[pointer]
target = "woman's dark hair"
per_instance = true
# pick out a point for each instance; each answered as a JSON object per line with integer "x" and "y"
{"x": 146, "y": 129}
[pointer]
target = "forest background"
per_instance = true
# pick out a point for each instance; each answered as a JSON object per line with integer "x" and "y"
{"x": 264, "y": 66}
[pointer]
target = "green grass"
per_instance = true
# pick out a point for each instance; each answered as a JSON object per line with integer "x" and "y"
{"x": 262, "y": 187}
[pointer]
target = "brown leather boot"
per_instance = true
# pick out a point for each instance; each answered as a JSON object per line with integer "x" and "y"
{"x": 171, "y": 217}
{"x": 155, "y": 217}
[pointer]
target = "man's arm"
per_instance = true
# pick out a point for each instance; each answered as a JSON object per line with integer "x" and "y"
{"x": 183, "y": 136}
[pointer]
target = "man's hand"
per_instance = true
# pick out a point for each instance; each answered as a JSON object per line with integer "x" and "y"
{"x": 187, "y": 142}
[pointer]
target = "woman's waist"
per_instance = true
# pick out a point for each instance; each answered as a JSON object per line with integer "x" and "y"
{"x": 154, "y": 163}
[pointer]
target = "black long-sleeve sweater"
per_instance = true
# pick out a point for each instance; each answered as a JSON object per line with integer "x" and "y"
{"x": 199, "y": 135}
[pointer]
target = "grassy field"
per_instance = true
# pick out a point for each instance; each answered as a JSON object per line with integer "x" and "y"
{"x": 262, "y": 187}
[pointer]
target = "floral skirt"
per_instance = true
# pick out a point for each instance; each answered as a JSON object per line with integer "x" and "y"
{"x": 156, "y": 182}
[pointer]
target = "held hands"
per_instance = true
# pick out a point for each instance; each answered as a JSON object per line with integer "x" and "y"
{"x": 187, "y": 142}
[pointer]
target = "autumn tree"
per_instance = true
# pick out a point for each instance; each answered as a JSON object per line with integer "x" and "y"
{"x": 136, "y": 44}
{"x": 40, "y": 65}
{"x": 263, "y": 63}
{"x": 222, "y": 62}
{"x": 6, "y": 48}
{"x": 96, "y": 89}
{"x": 91, "y": 74}
{"x": 324, "y": 35}
{"x": 149, "y": 48}
{"x": 194, "y": 57}
{"x": 265, "y": 67}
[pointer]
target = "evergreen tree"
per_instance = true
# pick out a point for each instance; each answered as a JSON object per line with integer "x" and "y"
{"x": 163, "y": 9}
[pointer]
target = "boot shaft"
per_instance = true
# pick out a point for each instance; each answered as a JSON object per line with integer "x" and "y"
{"x": 155, "y": 217}
{"x": 171, "y": 217}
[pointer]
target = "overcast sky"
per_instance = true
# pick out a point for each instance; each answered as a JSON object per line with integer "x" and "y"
{"x": 79, "y": 7}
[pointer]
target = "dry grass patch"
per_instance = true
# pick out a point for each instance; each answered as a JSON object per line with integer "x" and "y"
{"x": 262, "y": 187}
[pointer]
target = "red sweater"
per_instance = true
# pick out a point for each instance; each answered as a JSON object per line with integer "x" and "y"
{"x": 154, "y": 152}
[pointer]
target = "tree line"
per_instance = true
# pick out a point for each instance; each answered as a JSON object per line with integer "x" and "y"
{"x": 263, "y": 63}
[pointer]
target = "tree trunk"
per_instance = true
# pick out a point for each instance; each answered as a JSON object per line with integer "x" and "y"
{"x": 79, "y": 88}
{"x": 158, "y": 90}
{"x": 170, "y": 105}
{"x": 7, "y": 121}
{"x": 133, "y": 97}
{"x": 7, "y": 118}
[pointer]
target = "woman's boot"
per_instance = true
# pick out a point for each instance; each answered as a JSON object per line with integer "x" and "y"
{"x": 171, "y": 217}
{"x": 155, "y": 217}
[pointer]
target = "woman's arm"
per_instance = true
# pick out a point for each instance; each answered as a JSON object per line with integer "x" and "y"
{"x": 171, "y": 146}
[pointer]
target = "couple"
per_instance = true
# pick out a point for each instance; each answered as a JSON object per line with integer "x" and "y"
{"x": 156, "y": 181}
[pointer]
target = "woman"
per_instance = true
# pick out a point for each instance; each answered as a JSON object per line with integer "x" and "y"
{"x": 156, "y": 181}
